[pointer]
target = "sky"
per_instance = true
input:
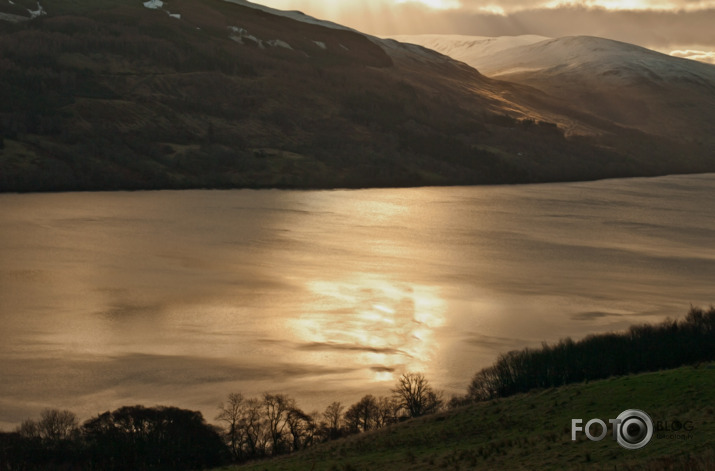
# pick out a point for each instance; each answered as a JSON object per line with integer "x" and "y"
{"x": 684, "y": 28}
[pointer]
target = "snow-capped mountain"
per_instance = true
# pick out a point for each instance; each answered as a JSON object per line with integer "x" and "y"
{"x": 616, "y": 81}
{"x": 469, "y": 49}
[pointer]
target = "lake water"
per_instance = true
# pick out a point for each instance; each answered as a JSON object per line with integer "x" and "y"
{"x": 181, "y": 297}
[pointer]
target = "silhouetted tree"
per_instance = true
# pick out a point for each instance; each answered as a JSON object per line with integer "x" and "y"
{"x": 302, "y": 428}
{"x": 54, "y": 426}
{"x": 231, "y": 412}
{"x": 51, "y": 442}
{"x": 333, "y": 419}
{"x": 363, "y": 415}
{"x": 276, "y": 408}
{"x": 253, "y": 428}
{"x": 246, "y": 431}
{"x": 415, "y": 396}
{"x": 137, "y": 437}
{"x": 387, "y": 411}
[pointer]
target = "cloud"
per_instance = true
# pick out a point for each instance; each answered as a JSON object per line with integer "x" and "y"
{"x": 702, "y": 56}
{"x": 658, "y": 5}
{"x": 659, "y": 24}
{"x": 645, "y": 28}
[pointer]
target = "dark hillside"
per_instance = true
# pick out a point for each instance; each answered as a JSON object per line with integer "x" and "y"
{"x": 205, "y": 93}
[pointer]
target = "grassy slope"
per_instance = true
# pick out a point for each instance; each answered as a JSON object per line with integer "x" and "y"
{"x": 533, "y": 431}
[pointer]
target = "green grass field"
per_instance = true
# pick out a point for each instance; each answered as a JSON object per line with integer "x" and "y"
{"x": 533, "y": 431}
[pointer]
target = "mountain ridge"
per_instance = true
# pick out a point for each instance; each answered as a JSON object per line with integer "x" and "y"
{"x": 624, "y": 83}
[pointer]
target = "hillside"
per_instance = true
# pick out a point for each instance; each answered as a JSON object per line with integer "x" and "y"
{"x": 125, "y": 94}
{"x": 533, "y": 431}
{"x": 611, "y": 80}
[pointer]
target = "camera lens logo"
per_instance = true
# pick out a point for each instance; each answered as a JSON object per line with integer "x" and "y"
{"x": 633, "y": 429}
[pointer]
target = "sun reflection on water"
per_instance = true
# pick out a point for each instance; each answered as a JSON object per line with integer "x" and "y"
{"x": 375, "y": 323}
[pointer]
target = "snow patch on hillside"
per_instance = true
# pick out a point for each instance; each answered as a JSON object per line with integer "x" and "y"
{"x": 239, "y": 34}
{"x": 35, "y": 13}
{"x": 391, "y": 47}
{"x": 159, "y": 5}
{"x": 154, "y": 4}
{"x": 278, "y": 43}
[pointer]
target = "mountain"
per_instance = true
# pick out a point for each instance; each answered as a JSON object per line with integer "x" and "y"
{"x": 469, "y": 49}
{"x": 127, "y": 94}
{"x": 629, "y": 85}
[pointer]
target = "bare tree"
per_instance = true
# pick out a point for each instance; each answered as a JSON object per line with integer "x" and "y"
{"x": 276, "y": 407}
{"x": 414, "y": 394}
{"x": 252, "y": 426}
{"x": 362, "y": 416}
{"x": 301, "y": 427}
{"x": 29, "y": 429}
{"x": 56, "y": 425}
{"x": 333, "y": 417}
{"x": 387, "y": 410}
{"x": 245, "y": 426}
{"x": 231, "y": 413}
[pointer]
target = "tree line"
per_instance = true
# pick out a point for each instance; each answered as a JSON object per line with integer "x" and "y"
{"x": 641, "y": 348}
{"x": 129, "y": 438}
{"x": 273, "y": 424}
{"x": 169, "y": 438}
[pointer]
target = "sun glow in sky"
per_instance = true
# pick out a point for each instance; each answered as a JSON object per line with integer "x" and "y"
{"x": 632, "y": 5}
{"x": 325, "y": 7}
{"x": 436, "y": 4}
{"x": 663, "y": 25}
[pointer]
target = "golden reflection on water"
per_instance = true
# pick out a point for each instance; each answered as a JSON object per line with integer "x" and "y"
{"x": 383, "y": 325}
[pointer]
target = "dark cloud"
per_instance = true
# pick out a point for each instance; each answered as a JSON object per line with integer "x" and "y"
{"x": 80, "y": 376}
{"x": 350, "y": 347}
{"x": 592, "y": 315}
{"x": 493, "y": 342}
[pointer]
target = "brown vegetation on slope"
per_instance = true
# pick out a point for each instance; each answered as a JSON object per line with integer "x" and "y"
{"x": 109, "y": 95}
